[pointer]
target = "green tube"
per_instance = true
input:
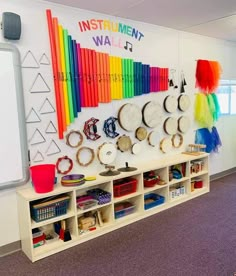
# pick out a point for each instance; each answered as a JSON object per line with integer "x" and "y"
{"x": 68, "y": 77}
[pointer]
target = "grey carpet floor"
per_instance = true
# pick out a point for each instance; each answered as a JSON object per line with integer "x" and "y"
{"x": 196, "y": 238}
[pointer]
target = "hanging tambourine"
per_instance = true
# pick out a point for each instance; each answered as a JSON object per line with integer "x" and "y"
{"x": 183, "y": 102}
{"x": 74, "y": 138}
{"x": 153, "y": 138}
{"x": 177, "y": 140}
{"x": 106, "y": 153}
{"x": 152, "y": 114}
{"x": 90, "y": 129}
{"x": 136, "y": 148}
{"x": 109, "y": 127}
{"x": 170, "y": 104}
{"x": 141, "y": 133}
{"x": 166, "y": 145}
{"x": 85, "y": 156}
{"x": 130, "y": 117}
{"x": 183, "y": 124}
{"x": 170, "y": 125}
{"x": 124, "y": 143}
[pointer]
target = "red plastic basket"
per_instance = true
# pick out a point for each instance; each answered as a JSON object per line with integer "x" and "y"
{"x": 124, "y": 187}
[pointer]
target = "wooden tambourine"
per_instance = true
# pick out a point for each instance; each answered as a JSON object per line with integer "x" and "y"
{"x": 84, "y": 151}
{"x": 177, "y": 140}
{"x": 130, "y": 117}
{"x": 141, "y": 133}
{"x": 166, "y": 145}
{"x": 136, "y": 148}
{"x": 106, "y": 153}
{"x": 184, "y": 102}
{"x": 153, "y": 138}
{"x": 183, "y": 124}
{"x": 152, "y": 114}
{"x": 170, "y": 104}
{"x": 170, "y": 125}
{"x": 124, "y": 143}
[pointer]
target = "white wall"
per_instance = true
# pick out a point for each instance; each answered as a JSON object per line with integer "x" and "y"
{"x": 160, "y": 47}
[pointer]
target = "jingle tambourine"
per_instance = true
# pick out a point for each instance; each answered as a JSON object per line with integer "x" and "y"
{"x": 130, "y": 117}
{"x": 170, "y": 125}
{"x": 166, "y": 145}
{"x": 152, "y": 114}
{"x": 170, "y": 104}
{"x": 177, "y": 140}
{"x": 153, "y": 138}
{"x": 106, "y": 153}
{"x": 83, "y": 152}
{"x": 183, "y": 124}
{"x": 141, "y": 133}
{"x": 184, "y": 102}
{"x": 124, "y": 143}
{"x": 74, "y": 138}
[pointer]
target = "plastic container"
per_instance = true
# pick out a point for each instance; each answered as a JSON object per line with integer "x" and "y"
{"x": 124, "y": 187}
{"x": 123, "y": 209}
{"x": 153, "y": 200}
{"x": 43, "y": 177}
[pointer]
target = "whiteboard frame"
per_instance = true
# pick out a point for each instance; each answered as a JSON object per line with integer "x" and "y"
{"x": 21, "y": 117}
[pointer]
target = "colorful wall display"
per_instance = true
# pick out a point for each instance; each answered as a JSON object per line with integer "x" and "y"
{"x": 85, "y": 77}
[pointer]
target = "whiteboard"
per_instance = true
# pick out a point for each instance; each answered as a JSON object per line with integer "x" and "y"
{"x": 14, "y": 166}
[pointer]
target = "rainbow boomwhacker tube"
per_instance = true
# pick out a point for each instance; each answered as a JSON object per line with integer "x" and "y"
{"x": 84, "y": 77}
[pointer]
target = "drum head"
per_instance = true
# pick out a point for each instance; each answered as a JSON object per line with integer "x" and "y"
{"x": 166, "y": 145}
{"x": 153, "y": 138}
{"x": 107, "y": 153}
{"x": 152, "y": 114}
{"x": 183, "y": 124}
{"x": 170, "y": 125}
{"x": 170, "y": 104}
{"x": 130, "y": 117}
{"x": 141, "y": 133}
{"x": 183, "y": 102}
{"x": 136, "y": 148}
{"x": 124, "y": 143}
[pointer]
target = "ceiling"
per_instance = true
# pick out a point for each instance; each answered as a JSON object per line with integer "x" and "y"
{"x": 214, "y": 18}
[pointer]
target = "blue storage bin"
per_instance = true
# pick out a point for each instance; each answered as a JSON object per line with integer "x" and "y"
{"x": 156, "y": 200}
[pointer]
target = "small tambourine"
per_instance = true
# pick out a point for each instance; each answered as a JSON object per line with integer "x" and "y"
{"x": 109, "y": 127}
{"x": 177, "y": 140}
{"x": 90, "y": 129}
{"x": 124, "y": 143}
{"x": 183, "y": 124}
{"x": 170, "y": 125}
{"x": 170, "y": 104}
{"x": 130, "y": 117}
{"x": 69, "y": 138}
{"x": 141, "y": 133}
{"x": 166, "y": 145}
{"x": 106, "y": 153}
{"x": 136, "y": 148}
{"x": 184, "y": 102}
{"x": 152, "y": 114}
{"x": 84, "y": 150}
{"x": 153, "y": 138}
{"x": 61, "y": 161}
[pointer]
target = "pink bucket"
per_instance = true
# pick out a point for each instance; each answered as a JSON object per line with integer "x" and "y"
{"x": 43, "y": 177}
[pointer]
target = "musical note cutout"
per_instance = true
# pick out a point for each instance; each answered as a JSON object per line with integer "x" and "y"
{"x": 128, "y": 46}
{"x": 39, "y": 85}
{"x": 53, "y": 148}
{"x": 29, "y": 61}
{"x": 36, "y": 138}
{"x": 51, "y": 128}
{"x": 44, "y": 60}
{"x": 32, "y": 117}
{"x": 38, "y": 157}
{"x": 46, "y": 107}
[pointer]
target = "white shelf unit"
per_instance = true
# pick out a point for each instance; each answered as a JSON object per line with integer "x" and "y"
{"x": 160, "y": 167}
